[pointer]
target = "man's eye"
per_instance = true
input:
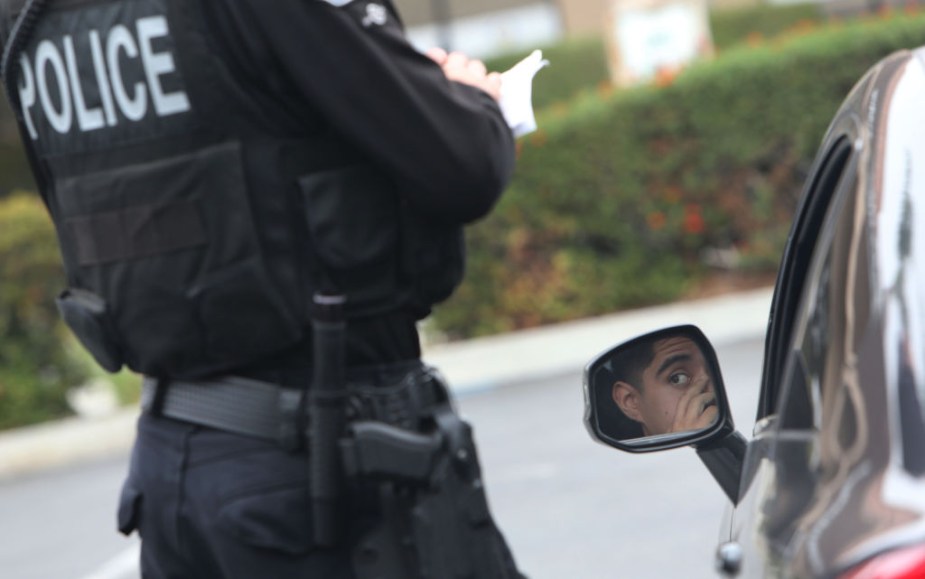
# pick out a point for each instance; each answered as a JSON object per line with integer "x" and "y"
{"x": 679, "y": 379}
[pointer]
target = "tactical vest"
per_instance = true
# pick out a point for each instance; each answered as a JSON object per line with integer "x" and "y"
{"x": 193, "y": 234}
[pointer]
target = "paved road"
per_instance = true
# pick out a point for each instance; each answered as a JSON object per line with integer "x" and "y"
{"x": 59, "y": 524}
{"x": 573, "y": 508}
{"x": 569, "y": 507}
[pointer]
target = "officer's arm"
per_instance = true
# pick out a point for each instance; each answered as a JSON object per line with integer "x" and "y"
{"x": 446, "y": 143}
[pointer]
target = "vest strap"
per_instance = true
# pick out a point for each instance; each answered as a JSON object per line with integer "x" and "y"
{"x": 136, "y": 232}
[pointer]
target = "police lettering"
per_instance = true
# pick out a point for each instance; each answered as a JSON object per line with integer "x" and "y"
{"x": 54, "y": 83}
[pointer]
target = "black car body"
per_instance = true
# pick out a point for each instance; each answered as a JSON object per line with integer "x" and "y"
{"x": 832, "y": 483}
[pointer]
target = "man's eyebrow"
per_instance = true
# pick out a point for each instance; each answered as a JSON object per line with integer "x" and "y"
{"x": 672, "y": 360}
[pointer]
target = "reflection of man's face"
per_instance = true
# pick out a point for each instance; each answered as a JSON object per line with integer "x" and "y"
{"x": 676, "y": 392}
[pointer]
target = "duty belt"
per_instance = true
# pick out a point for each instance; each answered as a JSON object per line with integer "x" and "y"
{"x": 272, "y": 412}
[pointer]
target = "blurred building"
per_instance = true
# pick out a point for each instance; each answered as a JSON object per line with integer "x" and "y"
{"x": 487, "y": 27}
{"x": 583, "y": 17}
{"x": 482, "y": 28}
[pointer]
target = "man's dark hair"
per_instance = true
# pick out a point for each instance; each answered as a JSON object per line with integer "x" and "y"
{"x": 626, "y": 365}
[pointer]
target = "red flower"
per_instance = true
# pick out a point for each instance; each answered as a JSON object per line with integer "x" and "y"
{"x": 665, "y": 76}
{"x": 693, "y": 220}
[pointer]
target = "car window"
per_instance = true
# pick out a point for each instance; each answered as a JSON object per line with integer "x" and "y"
{"x": 816, "y": 343}
{"x": 806, "y": 365}
{"x": 803, "y": 268}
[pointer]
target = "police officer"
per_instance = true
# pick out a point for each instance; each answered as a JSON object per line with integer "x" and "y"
{"x": 210, "y": 166}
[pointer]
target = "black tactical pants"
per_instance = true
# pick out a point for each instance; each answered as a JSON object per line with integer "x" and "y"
{"x": 211, "y": 504}
{"x": 207, "y": 503}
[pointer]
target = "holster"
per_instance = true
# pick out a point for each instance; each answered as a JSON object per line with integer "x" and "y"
{"x": 87, "y": 315}
{"x": 435, "y": 521}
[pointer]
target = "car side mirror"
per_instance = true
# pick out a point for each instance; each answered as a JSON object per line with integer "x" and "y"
{"x": 658, "y": 391}
{"x": 664, "y": 390}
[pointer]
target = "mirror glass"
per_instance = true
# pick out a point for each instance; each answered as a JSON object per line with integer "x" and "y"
{"x": 655, "y": 390}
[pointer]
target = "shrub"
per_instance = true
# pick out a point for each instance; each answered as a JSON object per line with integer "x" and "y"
{"x": 617, "y": 199}
{"x": 14, "y": 169}
{"x": 732, "y": 26}
{"x": 35, "y": 369}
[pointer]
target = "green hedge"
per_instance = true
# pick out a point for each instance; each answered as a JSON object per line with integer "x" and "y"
{"x": 733, "y": 26}
{"x": 35, "y": 368}
{"x": 14, "y": 169}
{"x": 619, "y": 200}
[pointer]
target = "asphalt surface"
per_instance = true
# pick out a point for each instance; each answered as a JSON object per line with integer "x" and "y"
{"x": 568, "y": 507}
{"x": 573, "y": 508}
{"x": 470, "y": 366}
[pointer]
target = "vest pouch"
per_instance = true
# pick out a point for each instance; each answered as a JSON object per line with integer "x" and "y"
{"x": 353, "y": 219}
{"x": 240, "y": 313}
{"x": 88, "y": 317}
{"x": 435, "y": 258}
{"x": 172, "y": 246}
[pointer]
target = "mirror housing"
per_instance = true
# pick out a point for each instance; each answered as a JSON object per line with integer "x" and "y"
{"x": 681, "y": 357}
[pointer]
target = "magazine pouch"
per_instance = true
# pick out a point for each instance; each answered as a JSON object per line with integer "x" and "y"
{"x": 88, "y": 317}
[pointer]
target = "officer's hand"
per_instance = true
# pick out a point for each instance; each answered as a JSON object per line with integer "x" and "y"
{"x": 459, "y": 67}
{"x": 697, "y": 407}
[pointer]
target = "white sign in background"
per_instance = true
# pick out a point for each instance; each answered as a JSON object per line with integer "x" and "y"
{"x": 649, "y": 37}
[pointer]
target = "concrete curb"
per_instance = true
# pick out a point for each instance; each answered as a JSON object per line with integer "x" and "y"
{"x": 471, "y": 366}
{"x": 64, "y": 442}
{"x": 489, "y": 362}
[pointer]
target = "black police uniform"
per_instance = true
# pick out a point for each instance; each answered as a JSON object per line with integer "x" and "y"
{"x": 209, "y": 166}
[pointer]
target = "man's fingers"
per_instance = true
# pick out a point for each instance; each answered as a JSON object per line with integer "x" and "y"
{"x": 691, "y": 390}
{"x": 492, "y": 85}
{"x": 696, "y": 405}
{"x": 459, "y": 67}
{"x": 707, "y": 418}
{"x": 456, "y": 60}
{"x": 702, "y": 382}
{"x": 705, "y": 400}
{"x": 477, "y": 67}
{"x": 695, "y": 410}
{"x": 437, "y": 54}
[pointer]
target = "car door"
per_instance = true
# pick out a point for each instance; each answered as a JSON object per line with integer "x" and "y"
{"x": 832, "y": 483}
{"x": 778, "y": 474}
{"x": 809, "y": 469}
